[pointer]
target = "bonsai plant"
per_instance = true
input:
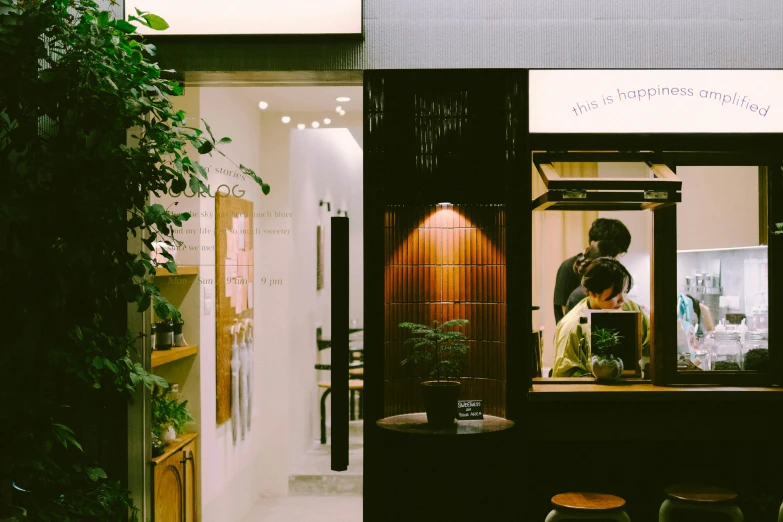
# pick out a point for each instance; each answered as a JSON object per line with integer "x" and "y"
{"x": 169, "y": 416}
{"x": 444, "y": 353}
{"x": 605, "y": 362}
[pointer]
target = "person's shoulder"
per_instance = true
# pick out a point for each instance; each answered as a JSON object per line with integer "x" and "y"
{"x": 567, "y": 265}
{"x": 632, "y": 306}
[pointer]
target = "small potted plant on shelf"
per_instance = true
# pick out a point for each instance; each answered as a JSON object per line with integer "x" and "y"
{"x": 605, "y": 361}
{"x": 169, "y": 416}
{"x": 444, "y": 352}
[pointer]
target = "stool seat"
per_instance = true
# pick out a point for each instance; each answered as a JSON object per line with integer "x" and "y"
{"x": 356, "y": 371}
{"x": 587, "y": 501}
{"x": 353, "y": 384}
{"x": 700, "y": 493}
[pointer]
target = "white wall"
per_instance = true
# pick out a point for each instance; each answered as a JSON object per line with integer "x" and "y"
{"x": 233, "y": 475}
{"x": 326, "y": 164}
{"x": 301, "y": 168}
{"x": 719, "y": 209}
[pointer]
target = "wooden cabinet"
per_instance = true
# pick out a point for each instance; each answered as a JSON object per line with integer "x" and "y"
{"x": 175, "y": 482}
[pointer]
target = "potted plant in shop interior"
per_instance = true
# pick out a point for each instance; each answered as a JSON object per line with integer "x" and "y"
{"x": 605, "y": 362}
{"x": 169, "y": 416}
{"x": 444, "y": 351}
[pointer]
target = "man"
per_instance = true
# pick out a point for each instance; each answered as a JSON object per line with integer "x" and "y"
{"x": 568, "y": 280}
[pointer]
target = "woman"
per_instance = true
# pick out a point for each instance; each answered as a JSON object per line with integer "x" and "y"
{"x": 606, "y": 281}
{"x": 598, "y": 249}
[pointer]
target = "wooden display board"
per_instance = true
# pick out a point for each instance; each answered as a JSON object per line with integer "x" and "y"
{"x": 234, "y": 274}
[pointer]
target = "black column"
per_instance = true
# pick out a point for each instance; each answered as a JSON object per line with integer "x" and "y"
{"x": 340, "y": 320}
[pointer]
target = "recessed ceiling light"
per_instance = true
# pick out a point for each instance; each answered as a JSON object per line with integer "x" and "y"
{"x": 285, "y": 119}
{"x": 327, "y": 121}
{"x": 315, "y": 124}
{"x": 262, "y": 105}
{"x": 300, "y": 126}
{"x": 343, "y": 99}
{"x": 338, "y": 109}
{"x": 342, "y": 113}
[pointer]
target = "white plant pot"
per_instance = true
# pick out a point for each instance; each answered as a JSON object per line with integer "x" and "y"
{"x": 606, "y": 369}
{"x": 169, "y": 435}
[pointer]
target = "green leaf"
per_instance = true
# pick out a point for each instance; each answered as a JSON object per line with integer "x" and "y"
{"x": 265, "y": 189}
{"x": 225, "y": 140}
{"x": 155, "y": 22}
{"x": 136, "y": 57}
{"x": 124, "y": 26}
{"x": 205, "y": 147}
{"x": 103, "y": 19}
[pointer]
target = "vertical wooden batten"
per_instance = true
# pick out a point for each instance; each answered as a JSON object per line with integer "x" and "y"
{"x": 464, "y": 279}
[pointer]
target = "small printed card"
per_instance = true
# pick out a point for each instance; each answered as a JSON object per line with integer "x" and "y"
{"x": 470, "y": 410}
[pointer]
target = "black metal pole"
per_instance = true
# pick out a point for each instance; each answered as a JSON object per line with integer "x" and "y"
{"x": 340, "y": 320}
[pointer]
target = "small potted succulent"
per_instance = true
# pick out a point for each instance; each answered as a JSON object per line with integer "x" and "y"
{"x": 444, "y": 352}
{"x": 169, "y": 416}
{"x": 605, "y": 361}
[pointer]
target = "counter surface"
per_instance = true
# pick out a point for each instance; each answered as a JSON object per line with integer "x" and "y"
{"x": 648, "y": 392}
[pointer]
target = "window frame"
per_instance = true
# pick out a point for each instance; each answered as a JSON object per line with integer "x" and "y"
{"x": 673, "y": 150}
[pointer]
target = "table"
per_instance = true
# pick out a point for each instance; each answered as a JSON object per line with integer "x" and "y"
{"x": 416, "y": 423}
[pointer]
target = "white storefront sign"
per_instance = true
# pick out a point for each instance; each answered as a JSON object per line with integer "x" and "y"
{"x": 656, "y": 101}
{"x": 252, "y": 17}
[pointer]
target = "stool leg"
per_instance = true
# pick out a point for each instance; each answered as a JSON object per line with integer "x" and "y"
{"x": 664, "y": 514}
{"x": 323, "y": 415}
{"x": 361, "y": 404}
{"x": 353, "y": 404}
{"x": 554, "y": 516}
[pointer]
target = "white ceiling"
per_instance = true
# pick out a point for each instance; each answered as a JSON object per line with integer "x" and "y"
{"x": 304, "y": 99}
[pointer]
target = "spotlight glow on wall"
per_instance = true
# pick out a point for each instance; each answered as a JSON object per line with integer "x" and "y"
{"x": 338, "y": 109}
{"x": 327, "y": 121}
{"x": 300, "y": 126}
{"x": 262, "y": 105}
{"x": 315, "y": 124}
{"x": 342, "y": 113}
{"x": 285, "y": 119}
{"x": 343, "y": 99}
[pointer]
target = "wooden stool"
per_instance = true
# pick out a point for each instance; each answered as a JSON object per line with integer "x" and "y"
{"x": 698, "y": 497}
{"x": 587, "y": 506}
{"x": 353, "y": 385}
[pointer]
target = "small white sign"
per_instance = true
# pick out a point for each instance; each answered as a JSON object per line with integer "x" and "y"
{"x": 656, "y": 101}
{"x": 199, "y": 17}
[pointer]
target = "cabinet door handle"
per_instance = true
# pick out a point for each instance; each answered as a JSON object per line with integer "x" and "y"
{"x": 184, "y": 462}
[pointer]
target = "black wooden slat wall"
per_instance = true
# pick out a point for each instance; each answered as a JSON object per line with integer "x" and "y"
{"x": 435, "y": 137}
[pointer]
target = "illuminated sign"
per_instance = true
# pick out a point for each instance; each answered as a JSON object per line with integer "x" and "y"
{"x": 656, "y": 101}
{"x": 257, "y": 17}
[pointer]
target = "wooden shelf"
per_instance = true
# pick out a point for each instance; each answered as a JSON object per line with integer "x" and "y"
{"x": 160, "y": 357}
{"x": 174, "y": 446}
{"x": 181, "y": 271}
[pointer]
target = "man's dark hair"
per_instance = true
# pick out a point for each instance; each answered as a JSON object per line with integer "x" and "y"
{"x": 606, "y": 272}
{"x": 594, "y": 251}
{"x": 604, "y": 229}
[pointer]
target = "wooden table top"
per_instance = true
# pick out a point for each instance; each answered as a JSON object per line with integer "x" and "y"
{"x": 588, "y": 501}
{"x": 541, "y": 390}
{"x": 416, "y": 423}
{"x": 701, "y": 493}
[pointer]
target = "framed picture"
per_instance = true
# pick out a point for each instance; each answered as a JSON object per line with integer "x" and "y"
{"x": 319, "y": 257}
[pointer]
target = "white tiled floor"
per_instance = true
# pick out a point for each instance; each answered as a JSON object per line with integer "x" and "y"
{"x": 307, "y": 509}
{"x": 318, "y": 494}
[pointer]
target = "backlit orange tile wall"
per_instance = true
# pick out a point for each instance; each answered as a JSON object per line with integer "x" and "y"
{"x": 446, "y": 262}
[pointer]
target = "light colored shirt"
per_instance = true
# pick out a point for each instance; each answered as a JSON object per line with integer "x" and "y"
{"x": 571, "y": 357}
